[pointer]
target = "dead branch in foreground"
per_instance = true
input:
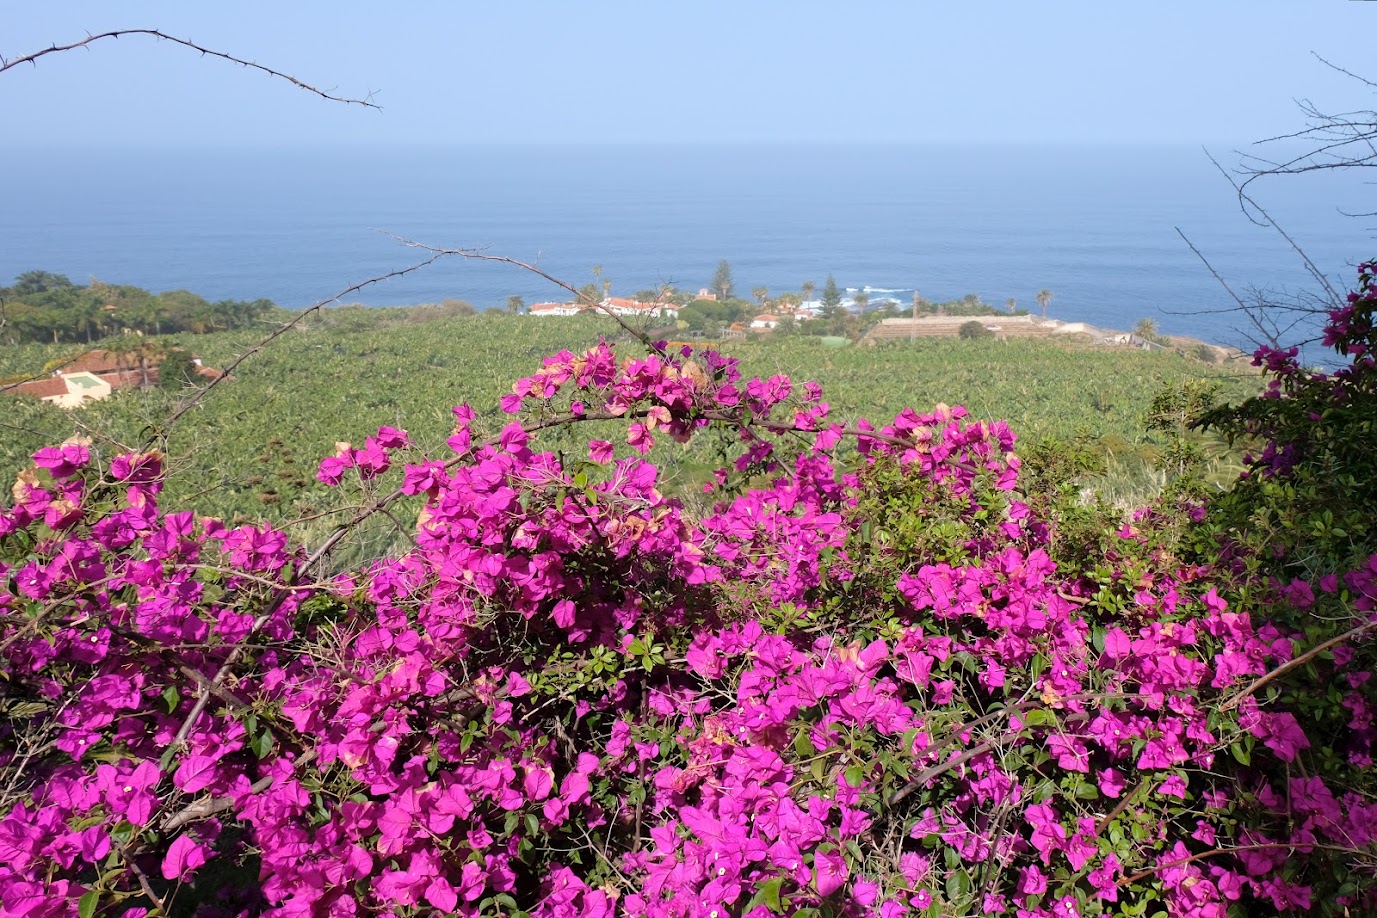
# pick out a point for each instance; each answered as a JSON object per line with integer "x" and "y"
{"x": 11, "y": 63}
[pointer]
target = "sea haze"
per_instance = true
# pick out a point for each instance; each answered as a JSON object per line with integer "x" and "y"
{"x": 1094, "y": 225}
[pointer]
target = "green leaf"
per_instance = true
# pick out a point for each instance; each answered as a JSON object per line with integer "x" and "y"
{"x": 855, "y": 775}
{"x": 263, "y": 744}
{"x": 173, "y": 698}
{"x": 433, "y": 759}
{"x": 86, "y": 906}
{"x": 768, "y": 895}
{"x": 958, "y": 884}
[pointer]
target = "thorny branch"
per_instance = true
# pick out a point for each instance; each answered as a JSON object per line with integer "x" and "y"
{"x": 525, "y": 266}
{"x": 11, "y": 63}
{"x": 192, "y": 400}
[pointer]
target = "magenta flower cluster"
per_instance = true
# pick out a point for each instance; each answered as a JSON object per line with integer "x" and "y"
{"x": 571, "y": 697}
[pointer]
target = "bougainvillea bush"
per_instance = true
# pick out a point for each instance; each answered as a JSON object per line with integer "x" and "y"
{"x": 875, "y": 678}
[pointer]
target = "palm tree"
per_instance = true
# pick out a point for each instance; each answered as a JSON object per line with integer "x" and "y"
{"x": 1146, "y": 329}
{"x": 1011, "y": 304}
{"x": 1044, "y": 297}
{"x": 808, "y": 288}
{"x": 862, "y": 300}
{"x": 760, "y": 294}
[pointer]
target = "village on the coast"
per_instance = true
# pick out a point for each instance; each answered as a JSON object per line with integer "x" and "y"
{"x": 792, "y": 310}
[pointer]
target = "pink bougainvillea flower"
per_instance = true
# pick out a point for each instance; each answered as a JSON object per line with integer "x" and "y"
{"x": 184, "y": 855}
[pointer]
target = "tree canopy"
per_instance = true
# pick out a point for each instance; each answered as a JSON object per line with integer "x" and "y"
{"x": 831, "y": 295}
{"x": 41, "y": 306}
{"x": 722, "y": 283}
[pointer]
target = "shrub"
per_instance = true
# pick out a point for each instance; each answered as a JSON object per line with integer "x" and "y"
{"x": 973, "y": 330}
{"x": 861, "y": 683}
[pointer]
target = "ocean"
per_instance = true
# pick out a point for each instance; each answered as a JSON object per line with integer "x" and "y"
{"x": 1096, "y": 226}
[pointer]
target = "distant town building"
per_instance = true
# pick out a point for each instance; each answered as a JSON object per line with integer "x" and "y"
{"x": 556, "y": 309}
{"x": 94, "y": 375}
{"x": 616, "y": 305}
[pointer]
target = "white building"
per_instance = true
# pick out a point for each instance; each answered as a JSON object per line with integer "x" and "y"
{"x": 556, "y": 309}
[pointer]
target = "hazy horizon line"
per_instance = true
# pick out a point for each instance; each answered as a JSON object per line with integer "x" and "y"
{"x": 1216, "y": 143}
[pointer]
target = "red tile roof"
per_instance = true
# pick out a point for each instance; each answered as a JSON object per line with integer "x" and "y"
{"x": 99, "y": 361}
{"x": 40, "y": 388}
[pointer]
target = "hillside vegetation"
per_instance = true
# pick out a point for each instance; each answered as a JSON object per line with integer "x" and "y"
{"x": 251, "y": 447}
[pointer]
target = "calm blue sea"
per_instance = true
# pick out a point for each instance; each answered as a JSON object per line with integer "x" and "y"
{"x": 1094, "y": 225}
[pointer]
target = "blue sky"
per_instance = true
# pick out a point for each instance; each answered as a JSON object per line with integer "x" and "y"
{"x": 1170, "y": 71}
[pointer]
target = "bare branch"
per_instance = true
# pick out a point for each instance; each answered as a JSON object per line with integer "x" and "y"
{"x": 209, "y": 806}
{"x": 1291, "y": 664}
{"x": 1252, "y": 313}
{"x": 11, "y": 63}
{"x": 1245, "y": 201}
{"x": 503, "y": 259}
{"x": 1222, "y": 282}
{"x": 1342, "y": 140}
{"x": 191, "y": 401}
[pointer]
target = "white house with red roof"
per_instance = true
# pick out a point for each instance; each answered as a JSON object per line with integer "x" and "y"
{"x": 556, "y": 309}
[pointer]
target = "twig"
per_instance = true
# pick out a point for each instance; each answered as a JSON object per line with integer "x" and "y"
{"x": 1222, "y": 282}
{"x": 192, "y": 400}
{"x": 219, "y": 691}
{"x": 1215, "y": 852}
{"x": 1253, "y": 315}
{"x": 1267, "y": 220}
{"x": 505, "y": 260}
{"x": 1337, "y": 132}
{"x": 1118, "y": 810}
{"x": 928, "y": 774}
{"x": 1289, "y": 665}
{"x": 209, "y": 806}
{"x": 9, "y": 64}
{"x": 144, "y": 884}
